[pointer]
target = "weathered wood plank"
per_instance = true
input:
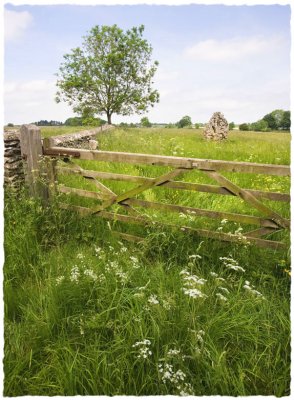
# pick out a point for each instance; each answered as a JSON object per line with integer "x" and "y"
{"x": 201, "y": 232}
{"x": 249, "y": 198}
{"x": 133, "y": 192}
{"x": 275, "y": 196}
{"x": 261, "y": 232}
{"x": 241, "y": 218}
{"x": 128, "y": 237}
{"x": 81, "y": 192}
{"x": 178, "y": 162}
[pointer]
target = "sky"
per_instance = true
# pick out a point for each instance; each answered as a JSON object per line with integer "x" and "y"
{"x": 232, "y": 59}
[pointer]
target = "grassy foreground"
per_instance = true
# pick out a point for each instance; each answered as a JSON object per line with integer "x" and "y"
{"x": 87, "y": 314}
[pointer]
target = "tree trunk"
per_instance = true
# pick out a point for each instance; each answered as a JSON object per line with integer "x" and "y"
{"x": 108, "y": 118}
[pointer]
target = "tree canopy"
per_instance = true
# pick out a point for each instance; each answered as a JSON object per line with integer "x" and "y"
{"x": 145, "y": 122}
{"x": 110, "y": 73}
{"x": 275, "y": 120}
{"x": 185, "y": 121}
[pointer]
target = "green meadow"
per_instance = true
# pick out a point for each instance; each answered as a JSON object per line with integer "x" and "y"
{"x": 87, "y": 313}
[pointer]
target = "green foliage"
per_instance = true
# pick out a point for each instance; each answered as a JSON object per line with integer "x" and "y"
{"x": 111, "y": 73}
{"x": 271, "y": 122}
{"x": 10, "y": 125}
{"x": 184, "y": 122}
{"x": 244, "y": 127}
{"x": 276, "y": 120}
{"x": 286, "y": 120}
{"x": 231, "y": 125}
{"x": 85, "y": 120}
{"x": 145, "y": 122}
{"x": 259, "y": 126}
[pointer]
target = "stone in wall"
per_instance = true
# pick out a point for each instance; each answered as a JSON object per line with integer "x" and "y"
{"x": 217, "y": 127}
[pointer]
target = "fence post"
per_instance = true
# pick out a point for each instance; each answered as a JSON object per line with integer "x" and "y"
{"x": 50, "y": 166}
{"x": 31, "y": 150}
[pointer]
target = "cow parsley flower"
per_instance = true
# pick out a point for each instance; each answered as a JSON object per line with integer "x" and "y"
{"x": 143, "y": 349}
{"x": 59, "y": 279}
{"x": 74, "y": 274}
{"x": 153, "y": 299}
{"x": 221, "y": 297}
{"x": 194, "y": 293}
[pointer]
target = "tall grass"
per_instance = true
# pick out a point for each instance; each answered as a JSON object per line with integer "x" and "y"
{"x": 87, "y": 314}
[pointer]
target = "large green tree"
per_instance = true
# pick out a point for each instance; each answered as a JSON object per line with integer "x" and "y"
{"x": 185, "y": 121}
{"x": 110, "y": 73}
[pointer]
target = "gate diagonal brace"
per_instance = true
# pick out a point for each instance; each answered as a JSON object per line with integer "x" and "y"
{"x": 108, "y": 192}
{"x": 133, "y": 192}
{"x": 248, "y": 198}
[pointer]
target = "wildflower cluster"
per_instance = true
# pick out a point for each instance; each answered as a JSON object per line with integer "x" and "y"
{"x": 113, "y": 268}
{"x": 176, "y": 379}
{"x": 153, "y": 299}
{"x": 80, "y": 271}
{"x": 192, "y": 284}
{"x": 250, "y": 288}
{"x": 231, "y": 264}
{"x": 135, "y": 262}
{"x": 143, "y": 348}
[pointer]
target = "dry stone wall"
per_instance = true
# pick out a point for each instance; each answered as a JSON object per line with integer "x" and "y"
{"x": 80, "y": 140}
{"x": 217, "y": 127}
{"x": 13, "y": 166}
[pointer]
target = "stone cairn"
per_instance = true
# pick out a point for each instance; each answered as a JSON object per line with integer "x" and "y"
{"x": 13, "y": 166}
{"x": 217, "y": 127}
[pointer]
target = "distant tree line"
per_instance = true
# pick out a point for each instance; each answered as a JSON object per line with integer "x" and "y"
{"x": 276, "y": 120}
{"x": 44, "y": 122}
{"x": 73, "y": 121}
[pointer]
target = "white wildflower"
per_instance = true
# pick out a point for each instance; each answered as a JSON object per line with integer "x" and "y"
{"x": 143, "y": 349}
{"x": 91, "y": 274}
{"x": 194, "y": 293}
{"x": 252, "y": 291}
{"x": 195, "y": 256}
{"x": 193, "y": 279}
{"x": 153, "y": 299}
{"x": 220, "y": 279}
{"x": 224, "y": 289}
{"x": 235, "y": 267}
{"x": 232, "y": 264}
{"x": 221, "y": 297}
{"x": 184, "y": 272}
{"x": 186, "y": 390}
{"x": 166, "y": 304}
{"x": 74, "y": 274}
{"x": 173, "y": 352}
{"x": 214, "y": 274}
{"x": 59, "y": 279}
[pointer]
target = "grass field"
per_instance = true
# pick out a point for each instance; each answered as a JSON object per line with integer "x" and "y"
{"x": 88, "y": 314}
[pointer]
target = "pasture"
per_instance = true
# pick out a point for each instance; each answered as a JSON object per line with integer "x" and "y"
{"x": 89, "y": 314}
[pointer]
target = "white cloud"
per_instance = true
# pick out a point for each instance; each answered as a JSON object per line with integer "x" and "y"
{"x": 231, "y": 49}
{"x": 15, "y": 24}
{"x": 30, "y": 101}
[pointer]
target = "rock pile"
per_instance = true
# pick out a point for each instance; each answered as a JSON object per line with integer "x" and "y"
{"x": 217, "y": 127}
{"x": 13, "y": 166}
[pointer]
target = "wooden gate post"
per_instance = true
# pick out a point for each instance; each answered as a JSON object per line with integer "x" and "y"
{"x": 31, "y": 150}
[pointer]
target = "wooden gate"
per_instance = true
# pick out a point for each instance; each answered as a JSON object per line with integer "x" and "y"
{"x": 268, "y": 222}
